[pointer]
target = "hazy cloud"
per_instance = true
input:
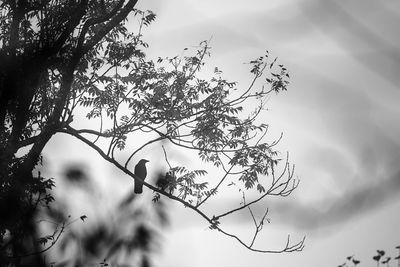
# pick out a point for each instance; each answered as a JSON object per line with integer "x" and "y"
{"x": 346, "y": 25}
{"x": 351, "y": 204}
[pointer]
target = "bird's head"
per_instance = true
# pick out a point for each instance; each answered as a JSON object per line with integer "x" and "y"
{"x": 143, "y": 161}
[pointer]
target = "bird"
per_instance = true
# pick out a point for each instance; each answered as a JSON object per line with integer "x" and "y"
{"x": 140, "y": 172}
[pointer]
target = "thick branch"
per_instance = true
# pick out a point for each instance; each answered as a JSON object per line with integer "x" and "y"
{"x": 69, "y": 130}
{"x": 123, "y": 13}
{"x": 93, "y": 21}
{"x": 54, "y": 121}
{"x": 28, "y": 141}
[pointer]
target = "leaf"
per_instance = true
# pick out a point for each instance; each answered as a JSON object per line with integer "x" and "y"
{"x": 260, "y": 188}
{"x": 273, "y": 62}
{"x": 42, "y": 240}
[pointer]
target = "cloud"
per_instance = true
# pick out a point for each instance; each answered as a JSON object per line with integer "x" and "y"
{"x": 351, "y": 204}
{"x": 353, "y": 170}
{"x": 346, "y": 27}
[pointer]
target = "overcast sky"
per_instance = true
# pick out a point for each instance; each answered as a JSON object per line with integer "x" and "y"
{"x": 340, "y": 119}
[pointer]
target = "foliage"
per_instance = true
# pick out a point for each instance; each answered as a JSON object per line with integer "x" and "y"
{"x": 380, "y": 258}
{"x": 80, "y": 55}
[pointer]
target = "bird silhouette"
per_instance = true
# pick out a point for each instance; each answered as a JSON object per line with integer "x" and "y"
{"x": 141, "y": 172}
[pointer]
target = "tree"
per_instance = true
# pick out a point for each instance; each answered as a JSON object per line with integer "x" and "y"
{"x": 77, "y": 56}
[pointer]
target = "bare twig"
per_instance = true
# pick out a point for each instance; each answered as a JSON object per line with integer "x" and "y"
{"x": 143, "y": 146}
{"x": 212, "y": 220}
{"x": 166, "y": 157}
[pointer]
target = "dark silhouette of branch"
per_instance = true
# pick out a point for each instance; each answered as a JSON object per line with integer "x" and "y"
{"x": 54, "y": 239}
{"x": 115, "y": 20}
{"x": 75, "y": 67}
{"x": 212, "y": 220}
{"x": 258, "y": 226}
{"x": 271, "y": 191}
{"x": 140, "y": 148}
{"x": 214, "y": 190}
{"x": 97, "y": 20}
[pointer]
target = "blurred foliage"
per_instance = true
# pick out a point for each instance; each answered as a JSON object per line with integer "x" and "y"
{"x": 126, "y": 234}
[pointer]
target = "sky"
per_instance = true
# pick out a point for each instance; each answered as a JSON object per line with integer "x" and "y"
{"x": 340, "y": 119}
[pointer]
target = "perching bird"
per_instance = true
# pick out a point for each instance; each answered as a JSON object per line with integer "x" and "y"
{"x": 141, "y": 172}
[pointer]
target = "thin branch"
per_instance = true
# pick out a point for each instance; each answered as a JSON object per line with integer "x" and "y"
{"x": 288, "y": 248}
{"x": 46, "y": 249}
{"x": 214, "y": 190}
{"x": 243, "y": 96}
{"x": 166, "y": 157}
{"x": 172, "y": 140}
{"x": 140, "y": 148}
{"x": 101, "y": 127}
{"x": 270, "y": 191}
{"x": 69, "y": 130}
{"x": 258, "y": 226}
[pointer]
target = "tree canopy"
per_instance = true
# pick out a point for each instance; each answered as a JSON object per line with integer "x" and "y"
{"x": 61, "y": 59}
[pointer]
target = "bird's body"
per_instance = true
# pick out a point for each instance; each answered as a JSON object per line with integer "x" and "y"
{"x": 141, "y": 172}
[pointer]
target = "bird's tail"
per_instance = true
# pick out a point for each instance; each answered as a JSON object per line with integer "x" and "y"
{"x": 138, "y": 187}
